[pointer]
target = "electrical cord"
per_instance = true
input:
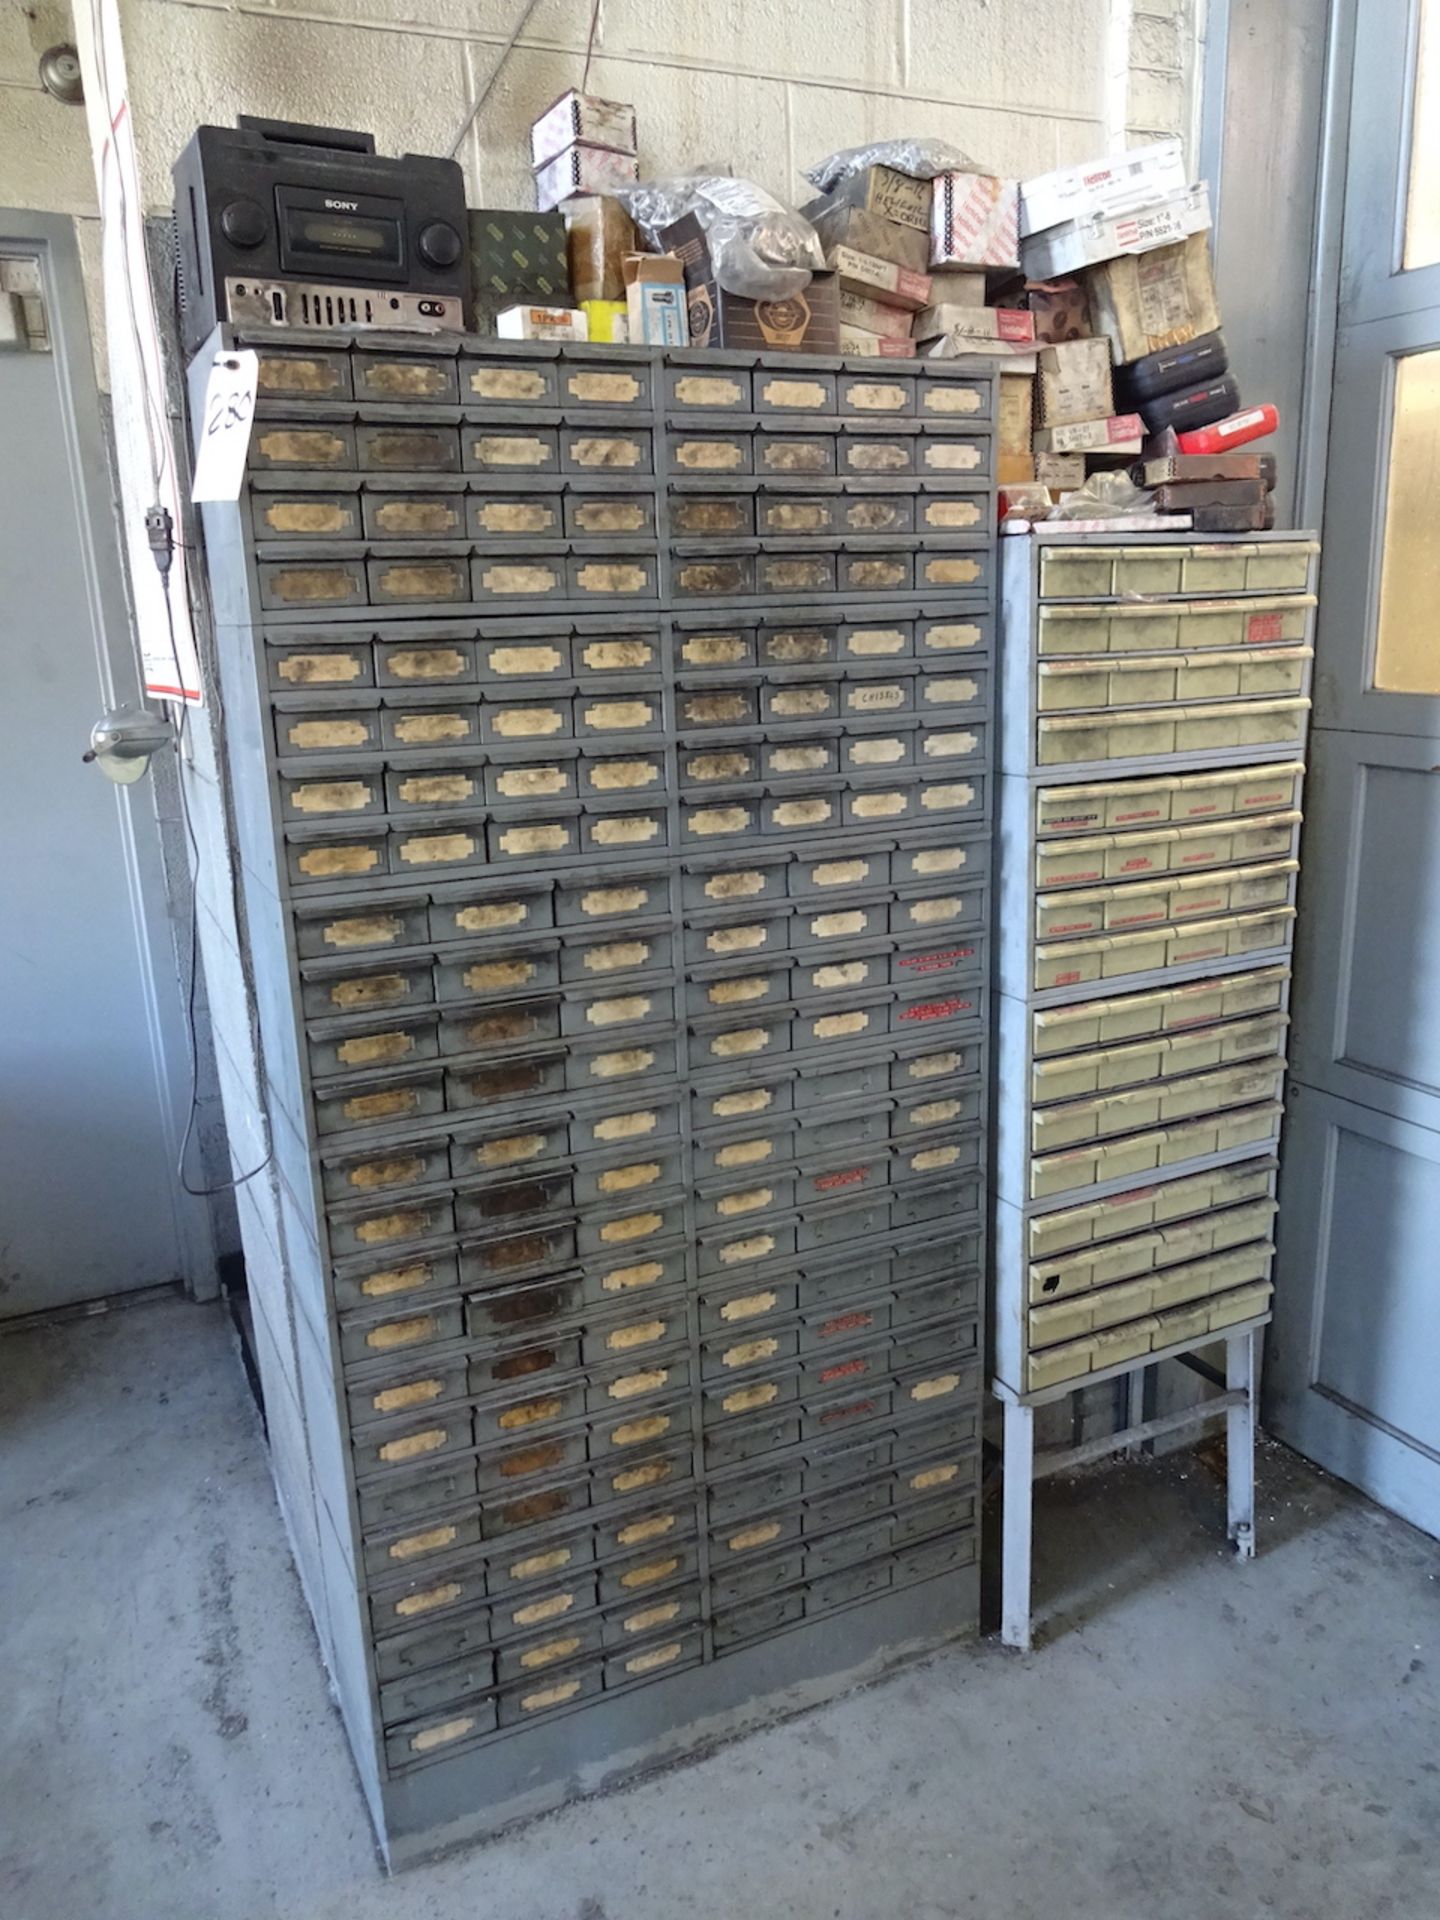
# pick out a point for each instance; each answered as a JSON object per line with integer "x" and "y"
{"x": 160, "y": 532}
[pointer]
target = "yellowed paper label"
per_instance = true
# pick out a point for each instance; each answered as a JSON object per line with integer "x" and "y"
{"x": 514, "y": 516}
{"x": 424, "y": 850}
{"x": 555, "y": 1696}
{"x": 611, "y": 576}
{"x": 743, "y": 1041}
{"x": 629, "y": 1385}
{"x": 532, "y": 783}
{"x": 535, "y": 1612}
{"x": 532, "y": 577}
{"x": 838, "y": 1026}
{"x": 730, "y": 1106}
{"x": 415, "y": 1544}
{"x": 640, "y": 1333}
{"x": 401, "y": 1333}
{"x": 610, "y": 451}
{"x": 300, "y": 447}
{"x": 507, "y": 383}
{"x": 550, "y": 1561}
{"x": 431, "y": 729}
{"x": 736, "y": 993}
{"x": 709, "y": 456}
{"x": 517, "y": 1147}
{"x": 744, "y": 1153}
{"x": 950, "y": 570}
{"x": 650, "y": 1573}
{"x": 631, "y": 1432}
{"x": 371, "y": 990}
{"x": 876, "y": 396}
{"x": 329, "y": 863}
{"x": 378, "y": 1286}
{"x": 930, "y": 1066}
{"x": 871, "y": 643}
{"x": 616, "y": 955}
{"x": 879, "y": 456}
{"x": 644, "y": 1273}
{"x": 745, "y": 1307}
{"x": 297, "y": 376}
{"x": 612, "y": 716}
{"x": 405, "y": 1225}
{"x": 840, "y": 873}
{"x": 748, "y": 1352}
{"x": 938, "y": 799}
{"x": 952, "y": 397}
{"x": 512, "y": 450}
{"x": 312, "y": 735}
{"x": 627, "y": 830}
{"x": 414, "y": 1445}
{"x": 549, "y": 1651}
{"x": 491, "y": 975}
{"x": 707, "y": 822}
{"x": 309, "y": 516}
{"x": 427, "y": 663}
{"x": 603, "y": 900}
{"x": 731, "y": 1204}
{"x": 935, "y": 1389}
{"x": 755, "y": 1247}
{"x": 760, "y": 1535}
{"x": 417, "y": 516}
{"x": 955, "y": 456}
{"x": 952, "y": 513}
{"x": 520, "y": 840}
{"x": 800, "y": 703}
{"x": 746, "y": 1399}
{"x": 928, "y": 1477}
{"x": 643, "y": 1173}
{"x": 388, "y": 1105}
{"x": 530, "y": 1413}
{"x": 526, "y": 662}
{"x": 319, "y": 669}
{"x": 933, "y": 860}
{"x": 634, "y": 1226}
{"x": 492, "y": 916}
{"x": 431, "y": 1598}
{"x": 626, "y": 1126}
{"x": 332, "y": 796}
{"x": 436, "y": 789}
{"x": 879, "y": 806}
{"x": 615, "y": 1066}
{"x": 414, "y": 1393}
{"x": 374, "y": 1049}
{"x": 813, "y": 812}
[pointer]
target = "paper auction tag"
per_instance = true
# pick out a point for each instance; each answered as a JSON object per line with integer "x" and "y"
{"x": 225, "y": 425}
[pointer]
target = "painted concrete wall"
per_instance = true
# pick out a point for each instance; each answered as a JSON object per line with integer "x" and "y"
{"x": 760, "y": 86}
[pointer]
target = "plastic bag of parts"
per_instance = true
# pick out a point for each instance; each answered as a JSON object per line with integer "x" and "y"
{"x": 921, "y": 159}
{"x": 1027, "y": 502}
{"x": 1104, "y": 496}
{"x": 758, "y": 249}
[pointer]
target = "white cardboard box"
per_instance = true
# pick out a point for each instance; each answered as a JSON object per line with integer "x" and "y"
{"x": 582, "y": 117}
{"x": 875, "y": 316}
{"x": 876, "y": 279}
{"x": 583, "y": 169}
{"x": 974, "y": 221}
{"x": 873, "y": 346}
{"x": 1118, "y": 183}
{"x": 542, "y": 323}
{"x": 1011, "y": 325}
{"x": 1086, "y": 241}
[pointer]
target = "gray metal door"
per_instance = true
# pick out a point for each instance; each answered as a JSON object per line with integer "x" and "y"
{"x": 1355, "y": 1355}
{"x": 91, "y": 1026}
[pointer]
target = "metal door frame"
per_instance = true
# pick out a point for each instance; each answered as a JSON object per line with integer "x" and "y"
{"x": 51, "y": 239}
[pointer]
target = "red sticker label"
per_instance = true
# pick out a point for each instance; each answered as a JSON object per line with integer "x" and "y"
{"x": 852, "y": 1176}
{"x": 846, "y": 1323}
{"x": 936, "y": 1009}
{"x": 856, "y": 1410}
{"x": 844, "y": 1370}
{"x": 1261, "y": 627}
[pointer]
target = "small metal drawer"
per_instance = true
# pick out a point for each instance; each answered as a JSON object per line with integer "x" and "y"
{"x": 800, "y": 702}
{"x": 438, "y": 1733}
{"x": 750, "y": 1440}
{"x": 547, "y": 1694}
{"x": 417, "y": 1327}
{"x": 954, "y": 636}
{"x": 881, "y": 394}
{"x": 513, "y": 722}
{"x": 412, "y": 1441}
{"x": 538, "y": 1368}
{"x": 837, "y": 873}
{"x": 794, "y": 573}
{"x": 374, "y": 929}
{"x": 422, "y": 851}
{"x": 413, "y": 1667}
{"x": 522, "y": 1311}
{"x": 736, "y": 1626}
{"x": 397, "y": 377}
{"x": 728, "y": 647}
{"x": 747, "y": 883}
{"x": 482, "y": 1209}
{"x": 717, "y": 576}
{"x": 341, "y": 667}
{"x": 286, "y": 584}
{"x": 713, "y": 516}
{"x": 839, "y": 923}
{"x": 878, "y": 456}
{"x": 533, "y": 1415}
{"x": 950, "y": 396}
{"x": 437, "y": 724}
{"x": 305, "y": 516}
{"x": 518, "y": 1510}
{"x": 368, "y": 1104}
{"x": 953, "y": 456}
{"x": 596, "y": 901}
{"x": 403, "y": 1223}
{"x": 606, "y": 450}
{"x": 592, "y": 1068}
{"x": 395, "y": 1042}
{"x": 609, "y": 515}
{"x": 605, "y": 653}
{"x": 413, "y": 1283}
{"x": 314, "y": 797}
{"x": 855, "y": 1583}
{"x": 736, "y": 706}
{"x": 486, "y": 1263}
{"x": 529, "y": 1660}
{"x": 408, "y": 581}
{"x": 286, "y": 447}
{"x": 611, "y": 577}
{"x": 720, "y": 766}
{"x": 302, "y": 375}
{"x": 952, "y": 570}
{"x": 792, "y": 514}
{"x": 522, "y": 1609}
{"x": 696, "y": 388}
{"x": 533, "y": 840}
{"x": 602, "y": 959}
{"x": 400, "y": 1497}
{"x": 709, "y": 451}
{"x": 400, "y": 986}
{"x": 456, "y": 915}
{"x": 892, "y": 570}
{"x": 505, "y": 382}
{"x": 623, "y": 384}
{"x": 437, "y": 663}
{"x": 495, "y": 450}
{"x": 532, "y": 574}
{"x": 526, "y": 1078}
{"x": 407, "y": 449}
{"x": 513, "y": 516}
{"x": 951, "y": 511}
{"x": 614, "y": 714}
{"x": 794, "y": 453}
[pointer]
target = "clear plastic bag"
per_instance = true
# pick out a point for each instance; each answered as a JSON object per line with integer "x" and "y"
{"x": 758, "y": 248}
{"x": 1105, "y": 496}
{"x": 921, "y": 159}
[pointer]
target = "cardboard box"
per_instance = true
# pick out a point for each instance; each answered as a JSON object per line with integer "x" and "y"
{"x": 599, "y": 233}
{"x": 1062, "y": 471}
{"x": 1014, "y": 469}
{"x": 875, "y": 316}
{"x": 841, "y": 225}
{"x": 582, "y": 117}
{"x": 1075, "y": 382}
{"x": 974, "y": 221}
{"x": 1011, "y": 325}
{"x": 893, "y": 195}
{"x": 874, "y": 346}
{"x": 957, "y": 286}
{"x": 1120, "y": 433}
{"x": 516, "y": 258}
{"x": 1100, "y": 236}
{"x": 1181, "y": 495}
{"x": 608, "y": 320}
{"x": 1019, "y": 357}
{"x": 655, "y": 300}
{"x": 1059, "y": 309}
{"x": 876, "y": 279}
{"x": 1143, "y": 302}
{"x": 542, "y": 323}
{"x": 809, "y": 323}
{"x": 1014, "y": 412}
{"x": 583, "y": 169}
{"x": 1210, "y": 466}
{"x": 1118, "y": 183}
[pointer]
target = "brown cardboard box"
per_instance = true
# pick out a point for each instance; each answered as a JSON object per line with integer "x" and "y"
{"x": 1120, "y": 433}
{"x": 1061, "y": 471}
{"x": 808, "y": 323}
{"x": 1060, "y": 310}
{"x": 1075, "y": 382}
{"x": 1014, "y": 469}
{"x": 841, "y": 225}
{"x": 875, "y": 316}
{"x": 1014, "y": 416}
{"x": 1144, "y": 301}
{"x": 1010, "y": 325}
{"x": 874, "y": 346}
{"x": 957, "y": 286}
{"x": 876, "y": 279}
{"x": 895, "y": 196}
{"x": 599, "y": 233}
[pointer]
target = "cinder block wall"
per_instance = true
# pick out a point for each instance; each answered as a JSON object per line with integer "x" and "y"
{"x": 757, "y": 87}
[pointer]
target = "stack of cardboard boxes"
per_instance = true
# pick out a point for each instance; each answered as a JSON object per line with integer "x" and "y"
{"x": 1130, "y": 358}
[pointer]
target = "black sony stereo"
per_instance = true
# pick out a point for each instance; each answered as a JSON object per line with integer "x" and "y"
{"x": 279, "y": 225}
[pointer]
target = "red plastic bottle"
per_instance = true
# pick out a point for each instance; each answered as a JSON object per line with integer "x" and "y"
{"x": 1251, "y": 423}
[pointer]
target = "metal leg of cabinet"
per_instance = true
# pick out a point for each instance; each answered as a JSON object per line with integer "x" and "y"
{"x": 1023, "y": 1465}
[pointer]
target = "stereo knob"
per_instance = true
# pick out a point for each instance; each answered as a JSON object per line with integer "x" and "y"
{"x": 439, "y": 244}
{"x": 243, "y": 223}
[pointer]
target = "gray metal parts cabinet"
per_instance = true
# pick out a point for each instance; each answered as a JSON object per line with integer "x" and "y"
{"x": 609, "y": 734}
{"x": 1154, "y": 703}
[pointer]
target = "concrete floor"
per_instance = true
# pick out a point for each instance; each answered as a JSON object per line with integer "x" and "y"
{"x": 1196, "y": 1740}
